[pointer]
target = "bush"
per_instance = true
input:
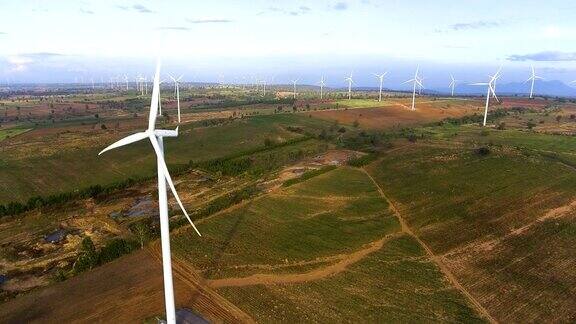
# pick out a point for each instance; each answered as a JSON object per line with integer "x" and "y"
{"x": 308, "y": 175}
{"x": 482, "y": 151}
{"x": 363, "y": 160}
{"x": 501, "y": 126}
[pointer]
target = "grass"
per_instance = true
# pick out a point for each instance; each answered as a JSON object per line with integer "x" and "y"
{"x": 308, "y": 222}
{"x": 11, "y": 132}
{"x": 468, "y": 208}
{"x": 271, "y": 223}
{"x": 52, "y": 166}
{"x": 396, "y": 284}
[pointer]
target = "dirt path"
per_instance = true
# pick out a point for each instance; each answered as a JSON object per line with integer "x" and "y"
{"x": 438, "y": 260}
{"x": 316, "y": 274}
{"x": 218, "y": 307}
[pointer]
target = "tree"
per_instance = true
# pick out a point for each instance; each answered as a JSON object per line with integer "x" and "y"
{"x": 87, "y": 258}
{"x": 558, "y": 118}
{"x": 142, "y": 231}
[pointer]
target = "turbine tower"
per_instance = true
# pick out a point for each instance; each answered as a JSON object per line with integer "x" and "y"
{"x": 490, "y": 90}
{"x": 177, "y": 91}
{"x": 532, "y": 79}
{"x": 156, "y": 139}
{"x": 294, "y": 91}
{"x": 126, "y": 80}
{"x": 416, "y": 82}
{"x": 322, "y": 87}
{"x": 381, "y": 78}
{"x": 452, "y": 84}
{"x": 350, "y": 81}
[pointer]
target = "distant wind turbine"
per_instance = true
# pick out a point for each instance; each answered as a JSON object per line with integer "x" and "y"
{"x": 156, "y": 139}
{"x": 350, "y": 81}
{"x": 294, "y": 84}
{"x": 126, "y": 79}
{"x": 533, "y": 77}
{"x": 452, "y": 84}
{"x": 490, "y": 90}
{"x": 322, "y": 87}
{"x": 177, "y": 91}
{"x": 381, "y": 78}
{"x": 416, "y": 82}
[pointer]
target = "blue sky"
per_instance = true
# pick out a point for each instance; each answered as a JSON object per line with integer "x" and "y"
{"x": 65, "y": 40}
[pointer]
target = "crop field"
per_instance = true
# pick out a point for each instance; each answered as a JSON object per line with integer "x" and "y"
{"x": 65, "y": 161}
{"x": 11, "y": 132}
{"x": 509, "y": 247}
{"x": 275, "y": 256}
{"x": 396, "y": 112}
{"x": 444, "y": 221}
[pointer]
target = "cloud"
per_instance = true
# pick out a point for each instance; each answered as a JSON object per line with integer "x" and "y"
{"x": 20, "y": 62}
{"x": 137, "y": 7}
{"x": 548, "y": 56}
{"x": 301, "y": 10}
{"x": 178, "y": 28}
{"x": 86, "y": 11}
{"x": 475, "y": 25}
{"x": 340, "y": 6}
{"x": 209, "y": 21}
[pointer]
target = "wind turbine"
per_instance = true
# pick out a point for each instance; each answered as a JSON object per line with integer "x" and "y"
{"x": 381, "y": 78}
{"x": 452, "y": 84}
{"x": 322, "y": 87}
{"x": 350, "y": 81}
{"x": 533, "y": 78}
{"x": 126, "y": 80}
{"x": 294, "y": 84}
{"x": 490, "y": 90}
{"x": 156, "y": 139}
{"x": 416, "y": 81}
{"x": 177, "y": 91}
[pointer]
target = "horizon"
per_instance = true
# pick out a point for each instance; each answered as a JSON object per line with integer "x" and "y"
{"x": 111, "y": 38}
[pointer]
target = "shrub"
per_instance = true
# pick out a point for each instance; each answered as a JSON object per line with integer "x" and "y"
{"x": 482, "y": 151}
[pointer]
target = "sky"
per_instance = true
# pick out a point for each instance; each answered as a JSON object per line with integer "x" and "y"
{"x": 233, "y": 41}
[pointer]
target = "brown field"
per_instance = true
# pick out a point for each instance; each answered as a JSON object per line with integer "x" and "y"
{"x": 399, "y": 113}
{"x": 128, "y": 290}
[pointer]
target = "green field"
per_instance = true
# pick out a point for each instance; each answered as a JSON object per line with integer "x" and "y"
{"x": 487, "y": 215}
{"x": 30, "y": 171}
{"x": 309, "y": 226}
{"x": 396, "y": 284}
{"x": 11, "y": 132}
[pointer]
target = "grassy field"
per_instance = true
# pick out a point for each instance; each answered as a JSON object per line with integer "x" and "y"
{"x": 296, "y": 233}
{"x": 300, "y": 211}
{"x": 61, "y": 162}
{"x": 502, "y": 221}
{"x": 11, "y": 132}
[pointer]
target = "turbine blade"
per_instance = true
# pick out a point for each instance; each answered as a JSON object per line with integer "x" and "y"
{"x": 478, "y": 84}
{"x": 164, "y": 169}
{"x": 155, "y": 97}
{"x": 125, "y": 141}
{"x": 494, "y": 93}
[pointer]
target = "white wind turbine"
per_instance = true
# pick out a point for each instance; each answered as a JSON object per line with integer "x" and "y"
{"x": 177, "y": 92}
{"x": 156, "y": 139}
{"x": 381, "y": 78}
{"x": 490, "y": 91}
{"x": 350, "y": 81}
{"x": 322, "y": 87}
{"x": 416, "y": 82}
{"x": 126, "y": 80}
{"x": 533, "y": 79}
{"x": 294, "y": 89}
{"x": 452, "y": 84}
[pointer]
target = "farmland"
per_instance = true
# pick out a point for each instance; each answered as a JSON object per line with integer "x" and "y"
{"x": 435, "y": 219}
